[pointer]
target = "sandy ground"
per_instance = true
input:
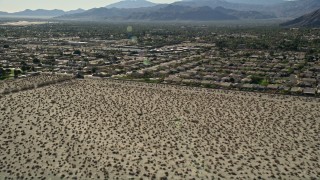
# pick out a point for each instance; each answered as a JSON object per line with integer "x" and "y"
{"x": 14, "y": 85}
{"x": 97, "y": 129}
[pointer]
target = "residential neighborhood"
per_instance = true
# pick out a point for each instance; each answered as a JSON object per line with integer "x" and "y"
{"x": 199, "y": 61}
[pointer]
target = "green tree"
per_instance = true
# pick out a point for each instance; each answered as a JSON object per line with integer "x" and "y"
{"x": 3, "y": 73}
{"x": 256, "y": 79}
{"x": 77, "y": 52}
{"x": 36, "y": 61}
{"x": 94, "y": 70}
{"x": 24, "y": 68}
{"x": 264, "y": 82}
{"x": 16, "y": 73}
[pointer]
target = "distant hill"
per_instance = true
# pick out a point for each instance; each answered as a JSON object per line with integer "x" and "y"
{"x": 3, "y": 13}
{"x": 96, "y": 13}
{"x": 143, "y": 9}
{"x": 261, "y": 2}
{"x": 128, "y": 4}
{"x": 308, "y": 20}
{"x": 296, "y": 8}
{"x": 75, "y": 11}
{"x": 166, "y": 13}
{"x": 279, "y": 8}
{"x": 220, "y": 3}
{"x": 41, "y": 13}
{"x": 175, "y": 12}
{"x": 100, "y": 14}
{"x": 205, "y": 13}
{"x": 245, "y": 14}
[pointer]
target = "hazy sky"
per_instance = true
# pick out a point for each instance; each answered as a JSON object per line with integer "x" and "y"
{"x": 19, "y": 5}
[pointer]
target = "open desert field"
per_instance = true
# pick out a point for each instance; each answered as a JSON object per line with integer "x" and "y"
{"x": 107, "y": 129}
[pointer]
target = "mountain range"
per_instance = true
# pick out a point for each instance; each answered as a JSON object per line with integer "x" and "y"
{"x": 261, "y": 2}
{"x": 308, "y": 20}
{"x": 184, "y": 10}
{"x": 167, "y": 13}
{"x": 282, "y": 9}
{"x": 294, "y": 9}
{"x": 175, "y": 12}
{"x": 42, "y": 13}
{"x": 128, "y": 4}
{"x": 204, "y": 13}
{"x": 273, "y": 8}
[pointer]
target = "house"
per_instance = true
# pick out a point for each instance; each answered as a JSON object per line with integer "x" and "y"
{"x": 309, "y": 80}
{"x": 284, "y": 88}
{"x": 247, "y": 86}
{"x": 273, "y": 86}
{"x": 186, "y": 81}
{"x": 206, "y": 82}
{"x": 246, "y": 80}
{"x": 225, "y": 84}
{"x": 309, "y": 91}
{"x": 259, "y": 87}
{"x": 296, "y": 90}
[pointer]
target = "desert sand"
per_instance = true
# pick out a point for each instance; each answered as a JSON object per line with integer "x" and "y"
{"x": 14, "y": 85}
{"x": 107, "y": 129}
